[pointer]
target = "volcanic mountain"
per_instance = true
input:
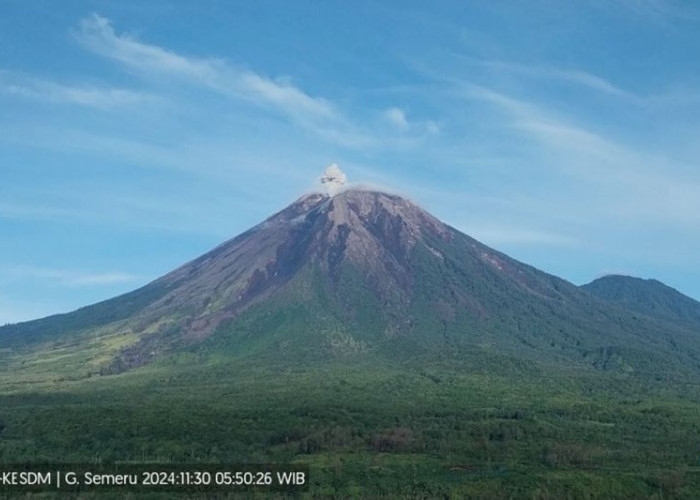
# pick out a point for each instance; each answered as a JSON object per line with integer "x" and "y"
{"x": 649, "y": 297}
{"x": 362, "y": 273}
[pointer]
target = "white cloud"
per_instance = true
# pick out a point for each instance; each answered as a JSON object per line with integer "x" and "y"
{"x": 97, "y": 35}
{"x": 630, "y": 182}
{"x": 69, "y": 277}
{"x": 666, "y": 12}
{"x": 313, "y": 113}
{"x": 79, "y": 279}
{"x": 672, "y": 96}
{"x": 432, "y": 128}
{"x": 576, "y": 76}
{"x": 502, "y": 235}
{"x": 31, "y": 211}
{"x": 84, "y": 95}
{"x": 397, "y": 118}
{"x": 287, "y": 97}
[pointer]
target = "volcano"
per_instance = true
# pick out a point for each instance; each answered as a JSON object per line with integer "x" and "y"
{"x": 356, "y": 272}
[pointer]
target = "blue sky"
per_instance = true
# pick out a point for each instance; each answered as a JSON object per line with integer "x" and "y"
{"x": 136, "y": 135}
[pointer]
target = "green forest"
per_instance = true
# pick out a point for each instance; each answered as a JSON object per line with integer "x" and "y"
{"x": 487, "y": 427}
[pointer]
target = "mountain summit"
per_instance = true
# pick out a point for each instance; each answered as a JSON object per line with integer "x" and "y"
{"x": 360, "y": 272}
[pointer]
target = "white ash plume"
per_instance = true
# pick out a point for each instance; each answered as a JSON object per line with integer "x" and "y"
{"x": 333, "y": 180}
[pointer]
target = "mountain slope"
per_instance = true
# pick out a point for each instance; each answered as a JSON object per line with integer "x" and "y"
{"x": 649, "y": 297}
{"x": 371, "y": 274}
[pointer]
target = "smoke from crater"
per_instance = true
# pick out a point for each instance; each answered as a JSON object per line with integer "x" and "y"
{"x": 333, "y": 179}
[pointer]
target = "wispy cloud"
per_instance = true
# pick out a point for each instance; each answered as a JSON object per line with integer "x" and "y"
{"x": 531, "y": 75}
{"x": 314, "y": 113}
{"x": 286, "y": 97}
{"x": 31, "y": 211}
{"x": 661, "y": 11}
{"x": 495, "y": 234}
{"x": 575, "y": 76}
{"x": 396, "y": 117}
{"x": 97, "y": 34}
{"x": 70, "y": 277}
{"x": 626, "y": 175}
{"x": 84, "y": 95}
